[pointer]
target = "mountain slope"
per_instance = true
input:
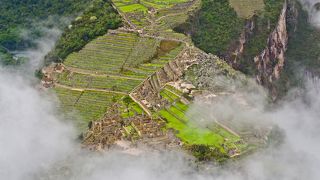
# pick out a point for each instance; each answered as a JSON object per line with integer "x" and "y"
{"x": 135, "y": 83}
{"x": 21, "y": 22}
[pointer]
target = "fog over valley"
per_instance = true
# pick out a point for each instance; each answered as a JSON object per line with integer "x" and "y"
{"x": 40, "y": 142}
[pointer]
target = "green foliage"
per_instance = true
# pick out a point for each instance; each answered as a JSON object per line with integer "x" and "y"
{"x": 6, "y": 58}
{"x": 303, "y": 52}
{"x": 265, "y": 23}
{"x": 94, "y": 22}
{"x": 303, "y": 47}
{"x": 206, "y": 153}
{"x": 247, "y": 8}
{"x": 38, "y": 74}
{"x": 215, "y": 26}
{"x": 19, "y": 15}
{"x": 225, "y": 68}
{"x": 127, "y": 100}
{"x": 203, "y": 142}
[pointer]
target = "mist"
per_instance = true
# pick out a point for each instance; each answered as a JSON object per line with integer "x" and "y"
{"x": 37, "y": 143}
{"x": 43, "y": 46}
{"x": 312, "y": 6}
{"x": 295, "y": 158}
{"x": 31, "y": 135}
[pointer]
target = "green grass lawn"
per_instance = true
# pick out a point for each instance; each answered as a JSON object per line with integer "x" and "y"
{"x": 191, "y": 134}
{"x": 169, "y": 95}
{"x": 136, "y": 11}
{"x": 129, "y": 108}
{"x": 133, "y": 8}
{"x": 129, "y": 6}
{"x": 188, "y": 131}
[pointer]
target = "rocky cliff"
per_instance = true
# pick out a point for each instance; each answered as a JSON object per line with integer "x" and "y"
{"x": 236, "y": 49}
{"x": 270, "y": 62}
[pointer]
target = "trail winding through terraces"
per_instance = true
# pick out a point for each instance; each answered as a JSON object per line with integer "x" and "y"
{"x": 97, "y": 74}
{"x": 87, "y": 89}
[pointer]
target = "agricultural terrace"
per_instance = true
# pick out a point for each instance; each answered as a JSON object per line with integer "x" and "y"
{"x": 84, "y": 106}
{"x": 178, "y": 119}
{"x": 108, "y": 69}
{"x": 155, "y": 16}
{"x": 124, "y": 54}
{"x": 247, "y": 8}
{"x": 131, "y": 5}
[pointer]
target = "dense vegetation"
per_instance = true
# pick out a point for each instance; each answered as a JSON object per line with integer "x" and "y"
{"x": 6, "y": 58}
{"x": 303, "y": 47}
{"x": 19, "y": 15}
{"x": 215, "y": 26}
{"x": 94, "y": 22}
{"x": 207, "y": 153}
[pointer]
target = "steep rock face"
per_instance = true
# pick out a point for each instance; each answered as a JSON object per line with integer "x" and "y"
{"x": 237, "y": 48}
{"x": 271, "y": 61}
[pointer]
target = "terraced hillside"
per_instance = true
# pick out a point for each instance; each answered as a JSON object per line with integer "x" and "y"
{"x": 157, "y": 18}
{"x": 111, "y": 66}
{"x": 177, "y": 116}
{"x": 119, "y": 83}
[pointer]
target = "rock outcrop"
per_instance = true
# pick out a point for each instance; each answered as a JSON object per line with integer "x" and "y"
{"x": 271, "y": 61}
{"x": 269, "y": 64}
{"x": 236, "y": 49}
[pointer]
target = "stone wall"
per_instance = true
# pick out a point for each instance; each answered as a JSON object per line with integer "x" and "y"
{"x": 148, "y": 92}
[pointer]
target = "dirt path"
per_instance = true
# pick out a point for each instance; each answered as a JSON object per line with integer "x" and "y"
{"x": 87, "y": 89}
{"x": 163, "y": 38}
{"x": 124, "y": 16}
{"x": 146, "y": 35}
{"x": 96, "y": 74}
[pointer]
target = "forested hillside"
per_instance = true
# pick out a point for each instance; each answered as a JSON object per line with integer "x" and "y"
{"x": 95, "y": 21}
{"x": 214, "y": 26}
{"x": 18, "y": 16}
{"x": 218, "y": 24}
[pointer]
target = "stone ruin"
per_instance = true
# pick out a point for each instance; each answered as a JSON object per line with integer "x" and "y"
{"x": 148, "y": 92}
{"x": 49, "y": 73}
{"x": 105, "y": 133}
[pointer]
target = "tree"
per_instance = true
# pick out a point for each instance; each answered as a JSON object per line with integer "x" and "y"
{"x": 127, "y": 101}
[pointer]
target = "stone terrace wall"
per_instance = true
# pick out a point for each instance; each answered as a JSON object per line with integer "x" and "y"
{"x": 148, "y": 92}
